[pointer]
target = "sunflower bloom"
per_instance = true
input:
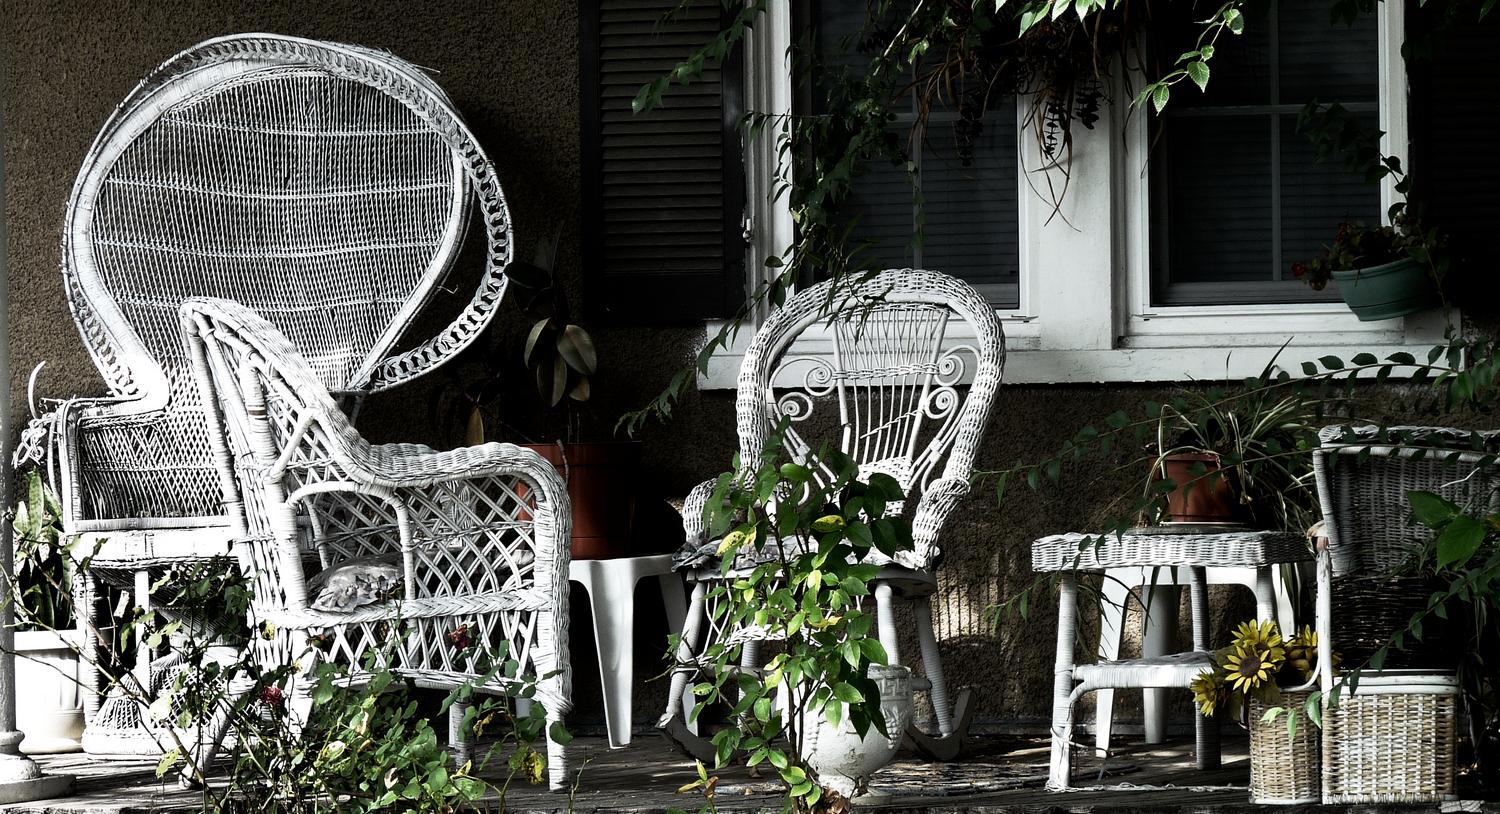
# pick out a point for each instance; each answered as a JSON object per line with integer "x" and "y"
{"x": 1248, "y": 670}
{"x": 1208, "y": 691}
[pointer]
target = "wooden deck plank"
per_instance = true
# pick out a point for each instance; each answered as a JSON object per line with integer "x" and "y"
{"x": 1002, "y": 776}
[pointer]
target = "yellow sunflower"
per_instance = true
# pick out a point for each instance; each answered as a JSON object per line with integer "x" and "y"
{"x": 1248, "y": 669}
{"x": 1302, "y": 652}
{"x": 1257, "y": 634}
{"x": 1208, "y": 691}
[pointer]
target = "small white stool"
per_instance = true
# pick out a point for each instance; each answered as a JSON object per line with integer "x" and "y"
{"x": 1067, "y": 555}
{"x": 1160, "y": 593}
{"x": 610, "y": 585}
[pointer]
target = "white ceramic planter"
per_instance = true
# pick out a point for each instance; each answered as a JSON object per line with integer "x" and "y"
{"x": 49, "y": 698}
{"x": 843, "y": 760}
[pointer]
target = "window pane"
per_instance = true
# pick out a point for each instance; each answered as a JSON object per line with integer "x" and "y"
{"x": 966, "y": 174}
{"x": 1316, "y": 198}
{"x": 1219, "y": 198}
{"x": 1243, "y": 196}
{"x": 1319, "y": 60}
{"x": 973, "y": 225}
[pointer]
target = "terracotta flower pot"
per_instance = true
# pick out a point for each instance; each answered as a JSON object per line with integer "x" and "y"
{"x": 1200, "y": 498}
{"x": 601, "y": 480}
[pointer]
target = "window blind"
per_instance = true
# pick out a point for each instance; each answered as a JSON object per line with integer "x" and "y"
{"x": 965, "y": 175}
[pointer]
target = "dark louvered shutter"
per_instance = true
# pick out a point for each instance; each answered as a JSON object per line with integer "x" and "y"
{"x": 664, "y": 191}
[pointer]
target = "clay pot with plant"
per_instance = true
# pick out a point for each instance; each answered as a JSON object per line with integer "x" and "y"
{"x": 1239, "y": 455}
{"x": 560, "y": 359}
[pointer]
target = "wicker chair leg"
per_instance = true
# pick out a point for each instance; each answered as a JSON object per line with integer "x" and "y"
{"x": 1206, "y": 730}
{"x": 1061, "y": 764}
{"x": 558, "y": 768}
{"x": 91, "y": 650}
{"x": 673, "y": 723}
{"x": 952, "y": 718}
{"x": 460, "y": 739}
{"x": 885, "y": 622}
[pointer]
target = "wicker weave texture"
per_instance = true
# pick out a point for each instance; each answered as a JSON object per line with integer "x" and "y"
{"x": 481, "y": 533}
{"x": 897, "y": 348}
{"x": 1284, "y": 769}
{"x": 328, "y": 187}
{"x": 1363, "y": 486}
{"x": 1390, "y": 747}
{"x": 1097, "y": 552}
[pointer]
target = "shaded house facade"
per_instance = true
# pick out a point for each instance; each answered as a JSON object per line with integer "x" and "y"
{"x": 1167, "y": 261}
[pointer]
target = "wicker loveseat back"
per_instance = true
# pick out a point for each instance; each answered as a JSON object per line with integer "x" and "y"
{"x": 1364, "y": 475}
{"x": 327, "y": 187}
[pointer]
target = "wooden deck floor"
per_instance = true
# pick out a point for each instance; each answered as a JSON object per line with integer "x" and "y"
{"x": 1002, "y": 776}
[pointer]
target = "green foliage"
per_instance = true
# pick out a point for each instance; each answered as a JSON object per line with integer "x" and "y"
{"x": 1335, "y": 132}
{"x": 796, "y": 538}
{"x": 361, "y": 739}
{"x": 42, "y": 567}
{"x": 559, "y": 353}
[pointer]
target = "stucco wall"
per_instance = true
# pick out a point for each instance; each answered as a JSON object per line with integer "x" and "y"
{"x": 511, "y": 67}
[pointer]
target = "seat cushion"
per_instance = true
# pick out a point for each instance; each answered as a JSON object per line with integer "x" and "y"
{"x": 355, "y": 583}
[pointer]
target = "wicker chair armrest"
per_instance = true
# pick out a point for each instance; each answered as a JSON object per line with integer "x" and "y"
{"x": 937, "y": 502}
{"x": 53, "y": 442}
{"x": 694, "y": 507}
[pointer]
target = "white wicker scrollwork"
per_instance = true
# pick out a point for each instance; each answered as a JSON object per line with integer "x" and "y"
{"x": 481, "y": 533}
{"x": 909, "y": 366}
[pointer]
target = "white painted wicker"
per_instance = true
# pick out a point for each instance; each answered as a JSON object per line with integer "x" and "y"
{"x": 1069, "y": 554}
{"x": 481, "y": 532}
{"x": 1394, "y": 738}
{"x": 327, "y": 186}
{"x": 878, "y": 364}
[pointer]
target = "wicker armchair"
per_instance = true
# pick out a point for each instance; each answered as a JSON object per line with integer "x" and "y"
{"x": 480, "y": 533}
{"x": 898, "y": 345}
{"x": 326, "y": 186}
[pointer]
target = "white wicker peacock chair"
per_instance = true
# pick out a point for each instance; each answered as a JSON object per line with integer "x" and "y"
{"x": 897, "y": 348}
{"x": 480, "y": 534}
{"x": 328, "y": 187}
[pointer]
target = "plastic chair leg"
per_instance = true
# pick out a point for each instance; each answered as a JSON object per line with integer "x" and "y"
{"x": 1116, "y": 592}
{"x": 611, "y": 590}
{"x": 1157, "y": 634}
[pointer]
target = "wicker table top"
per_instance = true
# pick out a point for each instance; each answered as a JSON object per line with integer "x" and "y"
{"x": 1097, "y": 552}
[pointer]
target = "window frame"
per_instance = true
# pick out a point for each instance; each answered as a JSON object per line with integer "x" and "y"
{"x": 1085, "y": 312}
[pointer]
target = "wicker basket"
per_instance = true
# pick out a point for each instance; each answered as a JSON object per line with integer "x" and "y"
{"x": 1363, "y": 483}
{"x": 1392, "y": 741}
{"x": 1283, "y": 769}
{"x": 1367, "y": 611}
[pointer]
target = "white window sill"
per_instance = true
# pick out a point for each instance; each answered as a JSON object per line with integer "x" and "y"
{"x": 1241, "y": 348}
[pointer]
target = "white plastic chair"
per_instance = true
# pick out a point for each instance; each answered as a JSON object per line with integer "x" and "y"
{"x": 481, "y": 533}
{"x": 896, "y": 350}
{"x": 328, "y": 187}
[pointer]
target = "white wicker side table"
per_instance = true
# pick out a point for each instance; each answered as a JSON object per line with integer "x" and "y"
{"x": 1069, "y": 554}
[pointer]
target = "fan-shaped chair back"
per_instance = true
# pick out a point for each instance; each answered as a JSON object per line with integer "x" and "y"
{"x": 879, "y": 376}
{"x": 327, "y": 187}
